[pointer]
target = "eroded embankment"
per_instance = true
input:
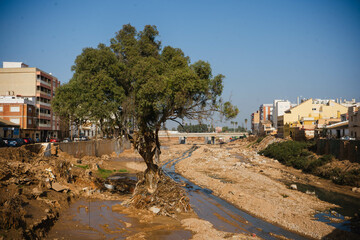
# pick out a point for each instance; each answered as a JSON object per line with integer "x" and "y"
{"x": 35, "y": 189}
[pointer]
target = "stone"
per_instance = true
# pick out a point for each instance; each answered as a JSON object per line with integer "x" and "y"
{"x": 155, "y": 210}
{"x": 58, "y": 187}
{"x": 293, "y": 187}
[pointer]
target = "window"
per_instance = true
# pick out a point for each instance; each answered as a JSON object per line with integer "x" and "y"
{"x": 30, "y": 110}
{"x": 29, "y": 121}
{"x": 1, "y": 109}
{"x": 15, "y": 120}
{"x": 314, "y": 109}
{"x": 14, "y": 109}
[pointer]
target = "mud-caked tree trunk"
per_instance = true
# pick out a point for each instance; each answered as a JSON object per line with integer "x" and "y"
{"x": 148, "y": 146}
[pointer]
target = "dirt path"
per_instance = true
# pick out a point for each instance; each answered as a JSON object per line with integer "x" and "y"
{"x": 254, "y": 184}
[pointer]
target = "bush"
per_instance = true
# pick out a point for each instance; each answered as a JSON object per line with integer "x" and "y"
{"x": 286, "y": 152}
{"x": 321, "y": 161}
{"x": 296, "y": 154}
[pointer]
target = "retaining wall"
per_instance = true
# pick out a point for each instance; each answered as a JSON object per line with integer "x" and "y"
{"x": 94, "y": 148}
{"x": 343, "y": 150}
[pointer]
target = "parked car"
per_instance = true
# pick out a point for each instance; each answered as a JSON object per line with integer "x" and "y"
{"x": 20, "y": 141}
{"x": 11, "y": 142}
{"x": 66, "y": 140}
{"x": 54, "y": 140}
{"x": 28, "y": 140}
{"x": 347, "y": 138}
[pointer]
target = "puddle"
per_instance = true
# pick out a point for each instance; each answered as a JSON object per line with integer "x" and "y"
{"x": 223, "y": 215}
{"x": 97, "y": 220}
{"x": 346, "y": 217}
{"x": 121, "y": 176}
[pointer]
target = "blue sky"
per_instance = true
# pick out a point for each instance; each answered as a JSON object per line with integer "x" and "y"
{"x": 266, "y": 49}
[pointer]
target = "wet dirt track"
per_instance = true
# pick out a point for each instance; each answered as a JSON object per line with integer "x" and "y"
{"x": 221, "y": 214}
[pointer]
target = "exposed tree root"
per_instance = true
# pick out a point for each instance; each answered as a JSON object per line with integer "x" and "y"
{"x": 168, "y": 198}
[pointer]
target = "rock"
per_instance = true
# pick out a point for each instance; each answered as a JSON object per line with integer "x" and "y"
{"x": 355, "y": 189}
{"x": 293, "y": 186}
{"x": 109, "y": 186}
{"x": 37, "y": 192}
{"x": 58, "y": 187}
{"x": 155, "y": 210}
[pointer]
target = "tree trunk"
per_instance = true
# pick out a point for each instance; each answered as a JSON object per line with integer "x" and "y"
{"x": 148, "y": 146}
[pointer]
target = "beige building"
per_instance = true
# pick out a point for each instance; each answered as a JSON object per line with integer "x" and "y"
{"x": 354, "y": 122}
{"x": 307, "y": 114}
{"x": 20, "y": 81}
{"x": 255, "y": 121}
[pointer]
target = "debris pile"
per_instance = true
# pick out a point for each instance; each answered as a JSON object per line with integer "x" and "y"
{"x": 168, "y": 198}
{"x": 266, "y": 142}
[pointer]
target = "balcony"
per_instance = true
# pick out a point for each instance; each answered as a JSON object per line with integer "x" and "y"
{"x": 42, "y": 125}
{"x": 45, "y": 115}
{"x": 39, "y": 93}
{"x": 38, "y": 81}
{"x": 43, "y": 104}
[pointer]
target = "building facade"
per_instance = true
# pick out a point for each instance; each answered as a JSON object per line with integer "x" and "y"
{"x": 354, "y": 122}
{"x": 306, "y": 115}
{"x": 255, "y": 120}
{"x": 17, "y": 80}
{"x": 21, "y": 111}
{"x": 266, "y": 111}
{"x": 279, "y": 108}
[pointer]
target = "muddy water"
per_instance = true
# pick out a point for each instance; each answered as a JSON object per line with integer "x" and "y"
{"x": 346, "y": 217}
{"x": 220, "y": 213}
{"x": 97, "y": 220}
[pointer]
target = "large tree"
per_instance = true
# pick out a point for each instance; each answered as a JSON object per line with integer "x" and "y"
{"x": 136, "y": 80}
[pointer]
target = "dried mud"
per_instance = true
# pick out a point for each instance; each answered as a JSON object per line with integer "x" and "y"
{"x": 255, "y": 184}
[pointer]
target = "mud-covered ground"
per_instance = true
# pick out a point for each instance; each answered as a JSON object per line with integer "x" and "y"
{"x": 256, "y": 184}
{"x": 38, "y": 193}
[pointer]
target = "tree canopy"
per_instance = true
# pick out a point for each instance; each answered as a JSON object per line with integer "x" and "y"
{"x": 136, "y": 82}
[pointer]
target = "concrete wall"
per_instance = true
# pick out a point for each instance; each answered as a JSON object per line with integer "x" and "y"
{"x": 94, "y": 148}
{"x": 343, "y": 150}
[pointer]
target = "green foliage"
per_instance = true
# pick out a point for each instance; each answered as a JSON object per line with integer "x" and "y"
{"x": 197, "y": 128}
{"x": 82, "y": 166}
{"x": 134, "y": 82}
{"x": 297, "y": 154}
{"x": 230, "y": 111}
{"x": 290, "y": 152}
{"x": 105, "y": 173}
{"x": 351, "y": 177}
{"x": 229, "y": 129}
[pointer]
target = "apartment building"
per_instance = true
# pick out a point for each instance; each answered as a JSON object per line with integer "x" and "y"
{"x": 255, "y": 120}
{"x": 266, "y": 111}
{"x": 354, "y": 122}
{"x": 19, "y": 81}
{"x": 305, "y": 115}
{"x": 21, "y": 111}
{"x": 279, "y": 108}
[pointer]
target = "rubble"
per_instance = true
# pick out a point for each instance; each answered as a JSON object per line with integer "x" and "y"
{"x": 168, "y": 199}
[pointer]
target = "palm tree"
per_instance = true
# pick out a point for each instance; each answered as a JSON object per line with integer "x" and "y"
{"x": 246, "y": 123}
{"x": 236, "y": 123}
